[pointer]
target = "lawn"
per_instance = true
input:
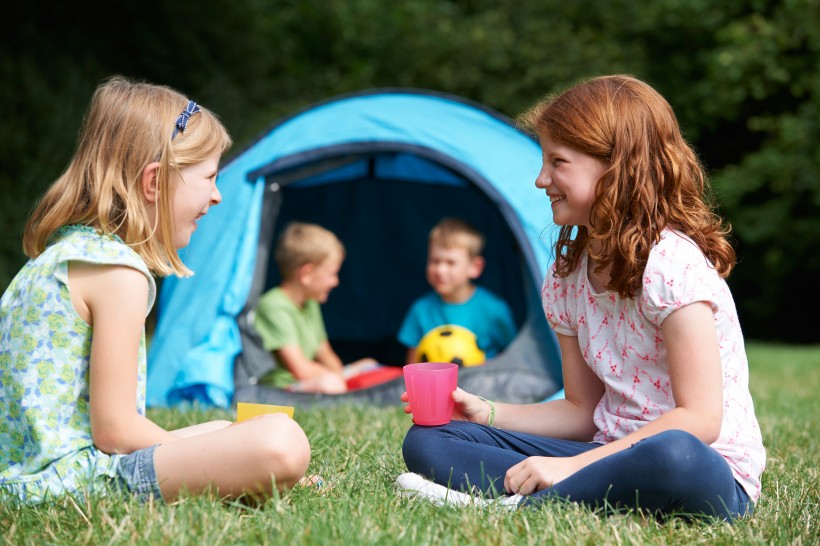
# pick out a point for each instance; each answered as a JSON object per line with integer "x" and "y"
{"x": 358, "y": 451}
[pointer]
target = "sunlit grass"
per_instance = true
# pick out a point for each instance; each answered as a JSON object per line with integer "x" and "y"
{"x": 358, "y": 451}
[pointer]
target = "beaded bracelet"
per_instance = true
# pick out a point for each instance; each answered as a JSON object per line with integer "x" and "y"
{"x": 491, "y": 418}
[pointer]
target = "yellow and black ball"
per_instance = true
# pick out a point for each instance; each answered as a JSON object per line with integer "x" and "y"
{"x": 450, "y": 343}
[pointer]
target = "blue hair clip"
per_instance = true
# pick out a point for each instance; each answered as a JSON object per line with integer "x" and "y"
{"x": 182, "y": 120}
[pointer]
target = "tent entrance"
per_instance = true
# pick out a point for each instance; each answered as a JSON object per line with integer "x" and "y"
{"x": 379, "y": 168}
{"x": 382, "y": 206}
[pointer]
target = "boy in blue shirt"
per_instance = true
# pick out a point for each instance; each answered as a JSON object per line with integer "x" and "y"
{"x": 454, "y": 261}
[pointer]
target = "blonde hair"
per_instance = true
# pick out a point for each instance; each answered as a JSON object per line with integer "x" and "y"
{"x": 653, "y": 181}
{"x": 457, "y": 233}
{"x": 128, "y": 126}
{"x": 302, "y": 243}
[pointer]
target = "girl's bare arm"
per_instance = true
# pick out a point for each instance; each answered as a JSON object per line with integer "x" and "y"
{"x": 113, "y": 300}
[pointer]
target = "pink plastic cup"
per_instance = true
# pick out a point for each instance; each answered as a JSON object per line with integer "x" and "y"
{"x": 430, "y": 387}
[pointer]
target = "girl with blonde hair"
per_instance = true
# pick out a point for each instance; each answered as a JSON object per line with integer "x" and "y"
{"x": 72, "y": 322}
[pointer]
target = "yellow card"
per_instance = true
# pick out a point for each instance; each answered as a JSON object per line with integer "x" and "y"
{"x": 246, "y": 410}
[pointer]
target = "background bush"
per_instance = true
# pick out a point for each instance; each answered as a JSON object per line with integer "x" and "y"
{"x": 742, "y": 75}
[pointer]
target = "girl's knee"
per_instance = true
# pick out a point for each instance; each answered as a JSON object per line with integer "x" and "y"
{"x": 283, "y": 448}
{"x": 679, "y": 450}
{"x": 681, "y": 442}
{"x": 422, "y": 442}
{"x": 417, "y": 437}
{"x": 292, "y": 444}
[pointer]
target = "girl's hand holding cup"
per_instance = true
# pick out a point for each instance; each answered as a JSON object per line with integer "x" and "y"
{"x": 470, "y": 407}
{"x": 465, "y": 406}
{"x": 430, "y": 387}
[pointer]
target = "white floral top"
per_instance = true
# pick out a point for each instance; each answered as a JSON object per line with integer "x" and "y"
{"x": 622, "y": 343}
{"x": 46, "y": 447}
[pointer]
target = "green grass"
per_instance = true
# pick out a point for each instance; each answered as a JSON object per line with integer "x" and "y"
{"x": 358, "y": 451}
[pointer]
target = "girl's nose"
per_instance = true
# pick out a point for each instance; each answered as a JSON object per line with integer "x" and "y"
{"x": 543, "y": 180}
{"x": 216, "y": 197}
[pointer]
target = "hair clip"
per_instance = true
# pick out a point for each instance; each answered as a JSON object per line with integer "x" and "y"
{"x": 182, "y": 120}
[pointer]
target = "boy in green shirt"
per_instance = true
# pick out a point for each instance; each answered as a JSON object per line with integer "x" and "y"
{"x": 289, "y": 319}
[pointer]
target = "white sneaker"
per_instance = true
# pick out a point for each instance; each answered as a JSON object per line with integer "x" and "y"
{"x": 413, "y": 485}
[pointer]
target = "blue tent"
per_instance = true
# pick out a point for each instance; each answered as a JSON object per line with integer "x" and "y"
{"x": 379, "y": 168}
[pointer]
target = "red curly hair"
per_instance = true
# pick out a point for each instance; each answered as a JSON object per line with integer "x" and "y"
{"x": 654, "y": 180}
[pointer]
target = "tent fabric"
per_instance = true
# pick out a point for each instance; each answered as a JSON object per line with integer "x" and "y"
{"x": 378, "y": 168}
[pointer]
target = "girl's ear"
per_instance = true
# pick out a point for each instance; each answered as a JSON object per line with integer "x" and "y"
{"x": 150, "y": 188}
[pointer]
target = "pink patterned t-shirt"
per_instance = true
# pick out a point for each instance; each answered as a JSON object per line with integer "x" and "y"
{"x": 622, "y": 342}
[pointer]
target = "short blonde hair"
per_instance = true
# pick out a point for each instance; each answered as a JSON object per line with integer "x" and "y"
{"x": 457, "y": 233}
{"x": 302, "y": 243}
{"x": 128, "y": 126}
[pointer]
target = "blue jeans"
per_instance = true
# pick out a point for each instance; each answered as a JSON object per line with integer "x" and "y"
{"x": 136, "y": 474}
{"x": 670, "y": 473}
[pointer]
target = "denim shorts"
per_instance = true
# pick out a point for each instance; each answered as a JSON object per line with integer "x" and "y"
{"x": 136, "y": 474}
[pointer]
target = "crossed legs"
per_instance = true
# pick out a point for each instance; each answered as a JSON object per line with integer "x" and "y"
{"x": 251, "y": 458}
{"x": 670, "y": 472}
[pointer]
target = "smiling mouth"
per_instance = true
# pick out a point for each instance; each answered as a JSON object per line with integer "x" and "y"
{"x": 555, "y": 198}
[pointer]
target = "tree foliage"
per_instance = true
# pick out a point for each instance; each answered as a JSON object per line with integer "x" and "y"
{"x": 742, "y": 75}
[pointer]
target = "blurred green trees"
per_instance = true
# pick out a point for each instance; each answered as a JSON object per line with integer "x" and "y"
{"x": 742, "y": 75}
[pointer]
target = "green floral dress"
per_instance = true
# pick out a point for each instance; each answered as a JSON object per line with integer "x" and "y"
{"x": 46, "y": 449}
